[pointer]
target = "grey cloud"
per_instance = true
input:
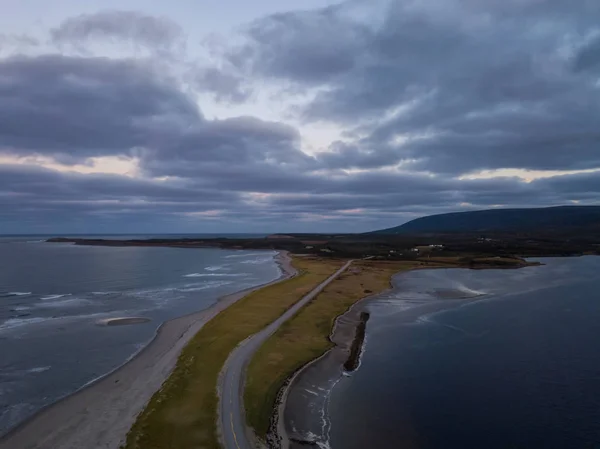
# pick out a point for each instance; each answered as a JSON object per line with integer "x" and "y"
{"x": 74, "y": 108}
{"x": 17, "y": 41}
{"x": 46, "y": 196}
{"x": 132, "y": 26}
{"x": 440, "y": 88}
{"x": 217, "y": 147}
{"x": 42, "y": 200}
{"x": 588, "y": 57}
{"x": 224, "y": 85}
{"x": 52, "y": 187}
{"x": 311, "y": 46}
{"x": 465, "y": 85}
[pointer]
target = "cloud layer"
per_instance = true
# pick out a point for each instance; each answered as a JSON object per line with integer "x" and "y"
{"x": 424, "y": 96}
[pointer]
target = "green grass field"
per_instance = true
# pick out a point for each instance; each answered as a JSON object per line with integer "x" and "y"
{"x": 183, "y": 413}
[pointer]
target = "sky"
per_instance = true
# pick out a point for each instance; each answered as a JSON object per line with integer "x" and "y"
{"x": 229, "y": 116}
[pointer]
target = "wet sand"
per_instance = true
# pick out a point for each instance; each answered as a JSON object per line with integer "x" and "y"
{"x": 100, "y": 415}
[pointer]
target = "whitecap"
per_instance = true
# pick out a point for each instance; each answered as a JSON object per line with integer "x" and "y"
{"x": 13, "y": 323}
{"x": 232, "y": 256}
{"x": 63, "y": 303}
{"x": 194, "y": 288}
{"x": 51, "y": 297}
{"x": 21, "y": 308}
{"x": 215, "y": 268}
{"x": 7, "y": 294}
{"x": 257, "y": 261}
{"x": 37, "y": 369}
{"x": 202, "y": 275}
{"x": 469, "y": 291}
{"x": 16, "y": 323}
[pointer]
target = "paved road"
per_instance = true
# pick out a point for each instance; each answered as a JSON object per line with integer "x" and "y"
{"x": 232, "y": 418}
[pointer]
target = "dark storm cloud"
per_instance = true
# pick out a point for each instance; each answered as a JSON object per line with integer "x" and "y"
{"x": 135, "y": 27}
{"x": 466, "y": 85}
{"x": 74, "y": 108}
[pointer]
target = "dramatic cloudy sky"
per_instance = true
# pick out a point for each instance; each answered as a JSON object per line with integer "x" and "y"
{"x": 297, "y": 115}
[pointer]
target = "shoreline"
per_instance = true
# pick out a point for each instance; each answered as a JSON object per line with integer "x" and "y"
{"x": 101, "y": 413}
{"x": 348, "y": 336}
{"x": 343, "y": 335}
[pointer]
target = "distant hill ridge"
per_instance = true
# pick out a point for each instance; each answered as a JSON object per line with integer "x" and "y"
{"x": 501, "y": 220}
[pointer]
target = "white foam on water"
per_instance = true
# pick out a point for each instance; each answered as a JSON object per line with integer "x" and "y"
{"x": 17, "y": 294}
{"x": 64, "y": 303}
{"x": 21, "y": 308}
{"x": 469, "y": 291}
{"x": 13, "y": 323}
{"x": 103, "y": 293}
{"x": 16, "y": 323}
{"x": 38, "y": 369}
{"x": 194, "y": 288}
{"x": 51, "y": 297}
{"x": 427, "y": 319}
{"x": 323, "y": 441}
{"x": 233, "y": 256}
{"x": 257, "y": 261}
{"x": 215, "y": 268}
{"x": 202, "y": 275}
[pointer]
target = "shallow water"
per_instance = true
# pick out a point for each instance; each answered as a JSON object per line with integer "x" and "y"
{"x": 53, "y": 296}
{"x": 515, "y": 365}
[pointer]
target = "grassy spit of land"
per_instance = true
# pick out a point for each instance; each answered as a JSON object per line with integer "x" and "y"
{"x": 306, "y": 336}
{"x": 183, "y": 413}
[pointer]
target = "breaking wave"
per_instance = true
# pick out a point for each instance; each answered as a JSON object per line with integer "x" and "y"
{"x": 9, "y": 294}
{"x": 202, "y": 275}
{"x": 51, "y": 297}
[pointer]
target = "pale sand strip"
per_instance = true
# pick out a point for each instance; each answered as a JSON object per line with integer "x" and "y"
{"x": 100, "y": 415}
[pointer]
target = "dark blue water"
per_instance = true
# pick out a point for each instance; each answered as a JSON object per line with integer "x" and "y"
{"x": 517, "y": 368}
{"x": 52, "y": 297}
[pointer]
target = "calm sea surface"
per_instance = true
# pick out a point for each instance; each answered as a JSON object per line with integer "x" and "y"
{"x": 53, "y": 295}
{"x": 515, "y": 367}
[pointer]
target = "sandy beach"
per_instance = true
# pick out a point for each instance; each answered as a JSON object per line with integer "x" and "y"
{"x": 101, "y": 414}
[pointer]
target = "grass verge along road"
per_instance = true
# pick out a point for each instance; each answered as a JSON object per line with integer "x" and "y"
{"x": 183, "y": 413}
{"x": 305, "y": 336}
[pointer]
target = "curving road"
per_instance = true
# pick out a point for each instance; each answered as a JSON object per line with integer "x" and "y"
{"x": 231, "y": 382}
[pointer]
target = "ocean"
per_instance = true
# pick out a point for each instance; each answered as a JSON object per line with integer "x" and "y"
{"x": 466, "y": 359}
{"x": 54, "y": 297}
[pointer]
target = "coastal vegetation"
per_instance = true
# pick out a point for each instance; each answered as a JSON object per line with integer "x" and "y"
{"x": 306, "y": 336}
{"x": 183, "y": 413}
